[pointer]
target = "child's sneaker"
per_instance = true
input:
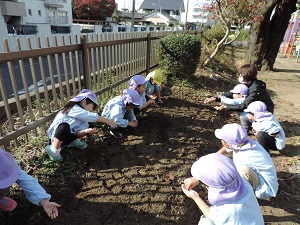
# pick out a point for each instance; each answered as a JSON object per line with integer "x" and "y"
{"x": 51, "y": 155}
{"x": 7, "y": 204}
{"x": 142, "y": 115}
{"x": 115, "y": 132}
{"x": 78, "y": 144}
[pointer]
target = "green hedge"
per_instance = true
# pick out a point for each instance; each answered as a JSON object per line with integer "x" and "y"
{"x": 178, "y": 54}
{"x": 215, "y": 33}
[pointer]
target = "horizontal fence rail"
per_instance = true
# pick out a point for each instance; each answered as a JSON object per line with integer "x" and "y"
{"x": 36, "y": 83}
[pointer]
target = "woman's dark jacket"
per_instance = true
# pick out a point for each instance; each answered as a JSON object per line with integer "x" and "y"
{"x": 257, "y": 92}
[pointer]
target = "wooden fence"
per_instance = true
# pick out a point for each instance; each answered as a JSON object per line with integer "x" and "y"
{"x": 36, "y": 83}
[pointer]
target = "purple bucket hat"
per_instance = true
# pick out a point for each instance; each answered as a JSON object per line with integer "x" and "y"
{"x": 219, "y": 173}
{"x": 85, "y": 93}
{"x": 259, "y": 109}
{"x": 240, "y": 89}
{"x": 136, "y": 80}
{"x": 236, "y": 136}
{"x": 256, "y": 106}
{"x": 9, "y": 169}
{"x": 131, "y": 96}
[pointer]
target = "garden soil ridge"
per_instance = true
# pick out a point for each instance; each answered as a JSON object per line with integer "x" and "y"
{"x": 137, "y": 180}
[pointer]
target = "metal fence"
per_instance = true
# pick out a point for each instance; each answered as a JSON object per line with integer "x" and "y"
{"x": 36, "y": 83}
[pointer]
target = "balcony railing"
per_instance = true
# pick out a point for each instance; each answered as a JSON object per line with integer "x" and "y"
{"x": 58, "y": 20}
{"x": 55, "y": 3}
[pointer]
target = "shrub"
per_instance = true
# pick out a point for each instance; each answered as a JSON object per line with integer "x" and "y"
{"x": 215, "y": 33}
{"x": 243, "y": 35}
{"x": 178, "y": 54}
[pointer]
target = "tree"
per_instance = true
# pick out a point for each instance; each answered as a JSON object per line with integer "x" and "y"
{"x": 232, "y": 12}
{"x": 93, "y": 9}
{"x": 267, "y": 33}
{"x": 118, "y": 16}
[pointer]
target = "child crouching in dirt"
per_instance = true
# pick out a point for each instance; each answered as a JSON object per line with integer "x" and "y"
{"x": 231, "y": 197}
{"x": 11, "y": 173}
{"x": 138, "y": 83}
{"x": 239, "y": 93}
{"x": 265, "y": 126}
{"x": 120, "y": 110}
{"x": 250, "y": 158}
{"x": 153, "y": 85}
{"x": 257, "y": 92}
{"x": 72, "y": 123}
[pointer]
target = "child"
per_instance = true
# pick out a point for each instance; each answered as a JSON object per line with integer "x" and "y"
{"x": 231, "y": 197}
{"x": 251, "y": 160}
{"x": 257, "y": 92}
{"x": 266, "y": 128}
{"x": 120, "y": 110}
{"x": 153, "y": 85}
{"x": 11, "y": 173}
{"x": 72, "y": 123}
{"x": 239, "y": 93}
{"x": 138, "y": 83}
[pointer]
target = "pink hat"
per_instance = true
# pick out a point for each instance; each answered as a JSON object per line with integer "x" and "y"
{"x": 219, "y": 173}
{"x": 131, "y": 96}
{"x": 236, "y": 136}
{"x": 85, "y": 93}
{"x": 240, "y": 89}
{"x": 136, "y": 81}
{"x": 9, "y": 169}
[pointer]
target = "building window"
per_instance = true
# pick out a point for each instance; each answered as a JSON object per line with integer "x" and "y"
{"x": 29, "y": 12}
{"x": 40, "y": 12}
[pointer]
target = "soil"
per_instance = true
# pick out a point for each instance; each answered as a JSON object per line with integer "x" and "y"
{"x": 137, "y": 180}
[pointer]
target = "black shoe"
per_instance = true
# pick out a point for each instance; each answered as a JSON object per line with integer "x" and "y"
{"x": 115, "y": 132}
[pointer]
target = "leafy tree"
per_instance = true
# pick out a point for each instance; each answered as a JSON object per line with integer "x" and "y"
{"x": 267, "y": 33}
{"x": 118, "y": 16}
{"x": 93, "y": 9}
{"x": 232, "y": 12}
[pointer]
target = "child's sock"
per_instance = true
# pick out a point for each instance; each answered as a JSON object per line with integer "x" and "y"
{"x": 55, "y": 151}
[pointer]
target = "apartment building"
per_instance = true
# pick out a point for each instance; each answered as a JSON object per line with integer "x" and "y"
{"x": 29, "y": 17}
{"x": 199, "y": 14}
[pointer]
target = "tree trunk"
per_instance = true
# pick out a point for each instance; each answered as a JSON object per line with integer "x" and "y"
{"x": 266, "y": 35}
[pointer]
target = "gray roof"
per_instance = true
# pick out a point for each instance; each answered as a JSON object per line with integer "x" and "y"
{"x": 163, "y": 4}
{"x": 154, "y": 14}
{"x": 136, "y": 15}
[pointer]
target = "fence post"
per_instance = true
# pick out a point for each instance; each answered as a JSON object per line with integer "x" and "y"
{"x": 85, "y": 62}
{"x": 148, "y": 53}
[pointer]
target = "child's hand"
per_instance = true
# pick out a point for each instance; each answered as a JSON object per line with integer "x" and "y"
{"x": 111, "y": 123}
{"x": 220, "y": 107}
{"x": 255, "y": 132}
{"x": 133, "y": 123}
{"x": 189, "y": 193}
{"x": 92, "y": 131}
{"x": 159, "y": 101}
{"x": 190, "y": 183}
{"x": 152, "y": 97}
{"x": 209, "y": 100}
{"x": 50, "y": 208}
{"x": 152, "y": 102}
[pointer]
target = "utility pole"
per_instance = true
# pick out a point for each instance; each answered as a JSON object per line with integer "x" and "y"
{"x": 160, "y": 12}
{"x": 187, "y": 9}
{"x": 132, "y": 15}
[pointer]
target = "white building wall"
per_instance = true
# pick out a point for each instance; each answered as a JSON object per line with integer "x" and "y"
{"x": 190, "y": 6}
{"x": 36, "y": 6}
{"x": 3, "y": 34}
{"x": 32, "y": 7}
